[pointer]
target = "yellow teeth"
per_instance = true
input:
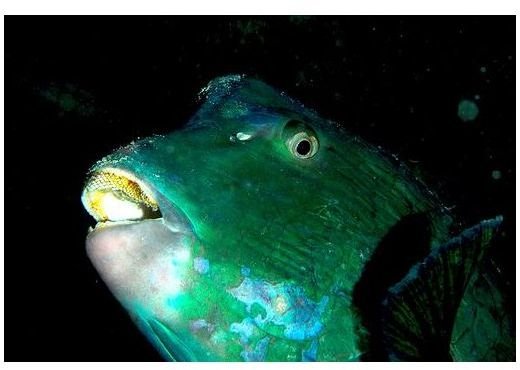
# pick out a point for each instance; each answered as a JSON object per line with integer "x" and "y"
{"x": 115, "y": 195}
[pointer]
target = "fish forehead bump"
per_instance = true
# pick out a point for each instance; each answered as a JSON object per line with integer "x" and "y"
{"x": 249, "y": 102}
{"x": 231, "y": 105}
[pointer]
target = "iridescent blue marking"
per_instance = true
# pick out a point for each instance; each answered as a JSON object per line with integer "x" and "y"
{"x": 284, "y": 304}
{"x": 170, "y": 302}
{"x": 258, "y": 354}
{"x": 245, "y": 271}
{"x": 201, "y": 265}
{"x": 310, "y": 354}
{"x": 244, "y": 329}
{"x": 200, "y": 324}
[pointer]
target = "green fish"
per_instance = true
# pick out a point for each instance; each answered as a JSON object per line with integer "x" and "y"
{"x": 262, "y": 232}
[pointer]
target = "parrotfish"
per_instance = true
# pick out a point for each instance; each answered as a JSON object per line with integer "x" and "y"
{"x": 262, "y": 232}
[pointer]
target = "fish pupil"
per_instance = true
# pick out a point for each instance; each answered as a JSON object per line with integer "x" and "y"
{"x": 303, "y": 147}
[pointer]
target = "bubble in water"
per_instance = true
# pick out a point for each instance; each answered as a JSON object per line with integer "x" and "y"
{"x": 467, "y": 110}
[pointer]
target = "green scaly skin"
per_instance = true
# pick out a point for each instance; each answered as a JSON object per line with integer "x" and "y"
{"x": 284, "y": 238}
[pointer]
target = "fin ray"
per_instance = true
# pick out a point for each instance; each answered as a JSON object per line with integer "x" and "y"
{"x": 418, "y": 312}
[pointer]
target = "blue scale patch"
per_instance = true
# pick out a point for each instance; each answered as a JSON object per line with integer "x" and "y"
{"x": 310, "y": 354}
{"x": 284, "y": 304}
{"x": 258, "y": 353}
{"x": 245, "y": 329}
{"x": 201, "y": 265}
{"x": 245, "y": 271}
{"x": 201, "y": 324}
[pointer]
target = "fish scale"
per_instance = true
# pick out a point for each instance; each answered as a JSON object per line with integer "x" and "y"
{"x": 270, "y": 254}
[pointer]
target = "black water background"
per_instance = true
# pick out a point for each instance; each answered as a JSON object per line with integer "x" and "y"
{"x": 394, "y": 81}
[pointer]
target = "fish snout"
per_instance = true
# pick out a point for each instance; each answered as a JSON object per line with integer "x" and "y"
{"x": 140, "y": 253}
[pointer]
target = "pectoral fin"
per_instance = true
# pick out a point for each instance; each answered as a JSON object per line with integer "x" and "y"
{"x": 418, "y": 313}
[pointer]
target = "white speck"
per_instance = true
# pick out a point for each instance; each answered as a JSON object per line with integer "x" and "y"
{"x": 182, "y": 255}
{"x": 280, "y": 304}
{"x": 243, "y": 137}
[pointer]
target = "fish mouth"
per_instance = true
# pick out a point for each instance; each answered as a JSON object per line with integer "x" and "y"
{"x": 114, "y": 196}
{"x": 142, "y": 243}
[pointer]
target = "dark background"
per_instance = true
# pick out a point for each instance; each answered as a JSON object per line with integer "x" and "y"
{"x": 79, "y": 87}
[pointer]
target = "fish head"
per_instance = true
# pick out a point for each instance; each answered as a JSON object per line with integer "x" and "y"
{"x": 241, "y": 235}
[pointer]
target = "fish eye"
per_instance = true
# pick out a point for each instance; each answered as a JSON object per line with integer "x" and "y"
{"x": 303, "y": 145}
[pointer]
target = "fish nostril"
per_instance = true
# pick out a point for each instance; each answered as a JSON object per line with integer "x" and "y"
{"x": 116, "y": 195}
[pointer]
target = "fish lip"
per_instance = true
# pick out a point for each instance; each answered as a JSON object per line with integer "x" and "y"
{"x": 172, "y": 216}
{"x": 103, "y": 225}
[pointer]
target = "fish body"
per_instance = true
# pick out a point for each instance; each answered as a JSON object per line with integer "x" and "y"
{"x": 257, "y": 233}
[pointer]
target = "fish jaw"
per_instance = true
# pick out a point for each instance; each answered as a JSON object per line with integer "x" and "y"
{"x": 142, "y": 248}
{"x": 142, "y": 262}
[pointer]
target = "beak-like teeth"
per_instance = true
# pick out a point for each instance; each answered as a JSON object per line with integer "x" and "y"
{"x": 115, "y": 195}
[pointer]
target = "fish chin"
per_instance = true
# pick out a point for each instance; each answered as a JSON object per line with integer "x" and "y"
{"x": 144, "y": 262}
